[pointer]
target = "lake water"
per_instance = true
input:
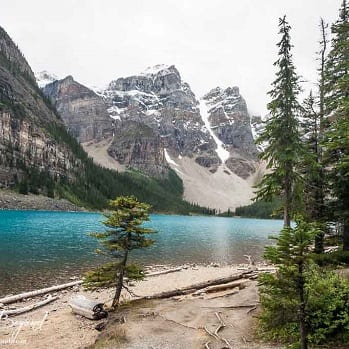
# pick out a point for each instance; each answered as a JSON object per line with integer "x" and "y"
{"x": 39, "y": 248}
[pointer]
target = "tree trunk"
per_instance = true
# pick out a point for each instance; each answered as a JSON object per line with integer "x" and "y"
{"x": 302, "y": 310}
{"x": 288, "y": 200}
{"x": 346, "y": 236}
{"x": 201, "y": 285}
{"x": 320, "y": 193}
{"x": 120, "y": 281}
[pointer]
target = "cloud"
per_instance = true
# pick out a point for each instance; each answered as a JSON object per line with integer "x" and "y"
{"x": 223, "y": 42}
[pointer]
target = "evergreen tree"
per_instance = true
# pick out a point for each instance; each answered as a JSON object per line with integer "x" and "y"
{"x": 337, "y": 112}
{"x": 281, "y": 131}
{"x": 283, "y": 296}
{"x": 23, "y": 187}
{"x": 124, "y": 233}
{"x": 312, "y": 168}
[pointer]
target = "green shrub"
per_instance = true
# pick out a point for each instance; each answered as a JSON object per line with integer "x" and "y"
{"x": 327, "y": 299}
{"x": 334, "y": 258}
{"x": 260, "y": 209}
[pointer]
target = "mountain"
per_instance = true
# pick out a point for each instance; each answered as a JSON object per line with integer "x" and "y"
{"x": 44, "y": 77}
{"x": 230, "y": 122}
{"x": 83, "y": 111}
{"x": 39, "y": 155}
{"x": 158, "y": 124}
{"x": 26, "y": 117}
{"x": 161, "y": 103}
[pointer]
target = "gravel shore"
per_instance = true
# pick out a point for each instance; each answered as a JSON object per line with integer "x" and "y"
{"x": 10, "y": 200}
{"x": 176, "y": 323}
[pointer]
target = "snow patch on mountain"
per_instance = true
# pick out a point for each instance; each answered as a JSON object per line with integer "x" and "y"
{"x": 257, "y": 127}
{"x": 168, "y": 158}
{"x": 163, "y": 68}
{"x": 222, "y": 153}
{"x": 44, "y": 78}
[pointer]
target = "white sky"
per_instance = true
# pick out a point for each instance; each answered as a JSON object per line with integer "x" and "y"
{"x": 211, "y": 42}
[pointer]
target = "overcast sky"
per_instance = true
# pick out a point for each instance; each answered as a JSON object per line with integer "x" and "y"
{"x": 211, "y": 42}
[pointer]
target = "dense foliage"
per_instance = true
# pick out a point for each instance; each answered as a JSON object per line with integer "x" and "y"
{"x": 124, "y": 233}
{"x": 302, "y": 298}
{"x": 304, "y": 302}
{"x": 281, "y": 132}
{"x": 91, "y": 185}
{"x": 261, "y": 209}
{"x": 337, "y": 112}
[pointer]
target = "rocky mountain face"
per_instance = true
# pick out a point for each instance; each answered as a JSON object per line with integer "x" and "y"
{"x": 25, "y": 118}
{"x": 11, "y": 57}
{"x": 38, "y": 155}
{"x": 231, "y": 123}
{"x": 83, "y": 111}
{"x": 160, "y": 104}
{"x": 153, "y": 121}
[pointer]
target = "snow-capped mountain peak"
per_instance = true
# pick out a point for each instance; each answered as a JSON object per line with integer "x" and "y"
{"x": 154, "y": 70}
{"x": 44, "y": 78}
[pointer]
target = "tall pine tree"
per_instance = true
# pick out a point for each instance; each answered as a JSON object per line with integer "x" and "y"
{"x": 313, "y": 166}
{"x": 337, "y": 112}
{"x": 281, "y": 131}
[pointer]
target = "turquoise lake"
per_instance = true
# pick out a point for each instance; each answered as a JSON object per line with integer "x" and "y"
{"x": 41, "y": 248}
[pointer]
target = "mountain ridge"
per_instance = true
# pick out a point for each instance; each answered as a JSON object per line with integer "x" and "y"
{"x": 39, "y": 155}
{"x": 156, "y": 111}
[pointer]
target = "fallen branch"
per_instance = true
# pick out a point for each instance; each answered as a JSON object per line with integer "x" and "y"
{"x": 259, "y": 269}
{"x": 164, "y": 272}
{"x": 18, "y": 297}
{"x": 210, "y": 333}
{"x": 178, "y": 323}
{"x": 130, "y": 291}
{"x": 222, "y": 287}
{"x": 251, "y": 310}
{"x": 201, "y": 285}
{"x": 4, "y": 313}
{"x": 233, "y": 306}
{"x": 221, "y": 325}
{"x": 216, "y": 334}
{"x": 244, "y": 339}
{"x": 221, "y": 294}
{"x": 207, "y": 345}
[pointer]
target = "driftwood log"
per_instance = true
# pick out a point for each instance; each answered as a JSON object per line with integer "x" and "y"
{"x": 162, "y": 272}
{"x": 4, "y": 313}
{"x": 88, "y": 308}
{"x": 18, "y": 297}
{"x": 240, "y": 283}
{"x": 198, "y": 286}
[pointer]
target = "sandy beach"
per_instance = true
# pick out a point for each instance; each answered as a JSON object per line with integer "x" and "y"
{"x": 55, "y": 326}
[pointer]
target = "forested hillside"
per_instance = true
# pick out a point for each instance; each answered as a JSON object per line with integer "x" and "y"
{"x": 38, "y": 155}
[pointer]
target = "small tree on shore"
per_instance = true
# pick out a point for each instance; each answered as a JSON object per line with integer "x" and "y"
{"x": 302, "y": 304}
{"x": 283, "y": 296}
{"x": 124, "y": 233}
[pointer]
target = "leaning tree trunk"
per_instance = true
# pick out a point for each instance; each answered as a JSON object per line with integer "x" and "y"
{"x": 120, "y": 281}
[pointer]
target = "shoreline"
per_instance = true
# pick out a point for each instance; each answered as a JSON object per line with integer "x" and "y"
{"x": 149, "y": 268}
{"x": 54, "y": 325}
{"x": 11, "y": 200}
